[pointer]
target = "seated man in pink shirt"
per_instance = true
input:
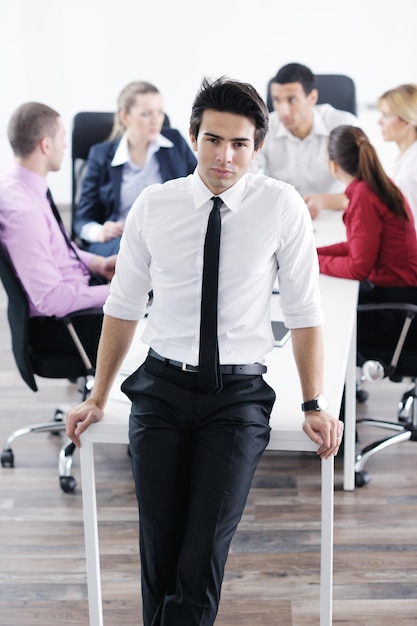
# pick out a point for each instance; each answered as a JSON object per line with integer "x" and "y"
{"x": 54, "y": 273}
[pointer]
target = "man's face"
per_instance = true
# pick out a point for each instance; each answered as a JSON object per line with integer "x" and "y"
{"x": 225, "y": 147}
{"x": 57, "y": 147}
{"x": 294, "y": 108}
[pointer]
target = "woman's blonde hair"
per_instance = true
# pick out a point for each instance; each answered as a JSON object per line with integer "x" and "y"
{"x": 402, "y": 101}
{"x": 126, "y": 100}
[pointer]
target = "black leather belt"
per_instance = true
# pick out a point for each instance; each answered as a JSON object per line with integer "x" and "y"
{"x": 250, "y": 368}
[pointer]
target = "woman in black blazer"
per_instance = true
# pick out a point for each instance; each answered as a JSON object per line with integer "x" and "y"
{"x": 140, "y": 152}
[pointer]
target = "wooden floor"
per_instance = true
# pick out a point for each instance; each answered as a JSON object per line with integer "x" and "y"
{"x": 272, "y": 575}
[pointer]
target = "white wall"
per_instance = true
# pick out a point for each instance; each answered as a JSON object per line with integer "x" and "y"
{"x": 78, "y": 54}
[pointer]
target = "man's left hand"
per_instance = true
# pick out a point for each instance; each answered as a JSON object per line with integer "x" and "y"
{"x": 325, "y": 430}
{"x": 108, "y": 265}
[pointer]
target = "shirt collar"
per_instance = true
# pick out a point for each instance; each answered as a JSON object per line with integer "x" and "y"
{"x": 409, "y": 154}
{"x": 122, "y": 156}
{"x": 319, "y": 127}
{"x": 232, "y": 197}
{"x": 36, "y": 181}
{"x": 351, "y": 188}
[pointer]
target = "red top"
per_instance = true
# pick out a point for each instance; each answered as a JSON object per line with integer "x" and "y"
{"x": 379, "y": 245}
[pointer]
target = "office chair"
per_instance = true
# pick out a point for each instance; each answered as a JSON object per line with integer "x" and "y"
{"x": 31, "y": 361}
{"x": 378, "y": 361}
{"x": 335, "y": 89}
{"x": 88, "y": 128}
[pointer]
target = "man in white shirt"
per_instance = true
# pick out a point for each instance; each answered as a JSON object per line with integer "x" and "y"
{"x": 194, "y": 453}
{"x": 295, "y": 148}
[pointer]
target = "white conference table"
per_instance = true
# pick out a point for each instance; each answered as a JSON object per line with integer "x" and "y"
{"x": 339, "y": 299}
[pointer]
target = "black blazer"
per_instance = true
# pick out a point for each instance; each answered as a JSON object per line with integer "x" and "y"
{"x": 100, "y": 194}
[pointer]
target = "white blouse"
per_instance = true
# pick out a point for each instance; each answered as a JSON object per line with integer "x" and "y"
{"x": 405, "y": 176}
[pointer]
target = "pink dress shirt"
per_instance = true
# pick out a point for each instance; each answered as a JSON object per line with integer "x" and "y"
{"x": 55, "y": 281}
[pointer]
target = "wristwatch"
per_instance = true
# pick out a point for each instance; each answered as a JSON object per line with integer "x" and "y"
{"x": 319, "y": 403}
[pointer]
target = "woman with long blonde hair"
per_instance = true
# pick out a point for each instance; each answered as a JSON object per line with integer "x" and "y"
{"x": 398, "y": 123}
{"x": 141, "y": 151}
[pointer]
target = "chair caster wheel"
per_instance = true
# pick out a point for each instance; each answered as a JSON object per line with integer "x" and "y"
{"x": 59, "y": 418}
{"x": 59, "y": 415}
{"x": 362, "y": 478}
{"x": 67, "y": 483}
{"x": 361, "y": 396}
{"x": 7, "y": 458}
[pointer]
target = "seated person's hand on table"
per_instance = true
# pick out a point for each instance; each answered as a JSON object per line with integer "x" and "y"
{"x": 110, "y": 230}
{"x": 80, "y": 417}
{"x": 324, "y": 430}
{"x": 315, "y": 203}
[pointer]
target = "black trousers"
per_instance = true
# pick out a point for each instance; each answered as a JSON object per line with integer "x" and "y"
{"x": 194, "y": 457}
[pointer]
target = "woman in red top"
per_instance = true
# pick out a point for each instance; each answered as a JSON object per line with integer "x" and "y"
{"x": 381, "y": 246}
{"x": 381, "y": 241}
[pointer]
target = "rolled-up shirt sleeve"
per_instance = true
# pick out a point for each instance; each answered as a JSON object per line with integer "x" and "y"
{"x": 298, "y": 268}
{"x": 131, "y": 283}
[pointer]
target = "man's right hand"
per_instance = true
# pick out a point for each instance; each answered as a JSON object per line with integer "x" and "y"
{"x": 80, "y": 418}
{"x": 110, "y": 230}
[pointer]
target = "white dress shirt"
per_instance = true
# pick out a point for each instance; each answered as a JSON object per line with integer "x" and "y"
{"x": 266, "y": 228}
{"x": 405, "y": 176}
{"x": 302, "y": 162}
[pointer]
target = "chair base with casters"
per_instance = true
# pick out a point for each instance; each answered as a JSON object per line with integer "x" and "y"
{"x": 56, "y": 426}
{"x": 406, "y": 432}
{"x": 402, "y": 364}
{"x": 49, "y": 347}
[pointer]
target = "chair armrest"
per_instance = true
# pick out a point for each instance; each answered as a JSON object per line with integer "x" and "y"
{"x": 67, "y": 320}
{"x": 393, "y": 306}
{"x": 80, "y": 312}
{"x": 410, "y": 312}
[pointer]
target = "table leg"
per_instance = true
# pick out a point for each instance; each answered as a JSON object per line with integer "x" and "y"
{"x": 326, "y": 565}
{"x": 92, "y": 554}
{"x": 350, "y": 417}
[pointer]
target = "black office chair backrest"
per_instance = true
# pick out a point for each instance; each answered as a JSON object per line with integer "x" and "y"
{"x": 18, "y": 316}
{"x": 335, "y": 89}
{"x": 88, "y": 128}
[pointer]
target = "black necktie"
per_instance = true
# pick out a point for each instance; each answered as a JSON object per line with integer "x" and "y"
{"x": 63, "y": 230}
{"x": 58, "y": 218}
{"x": 209, "y": 375}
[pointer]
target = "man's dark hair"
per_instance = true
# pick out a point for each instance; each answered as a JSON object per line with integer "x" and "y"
{"x": 28, "y": 125}
{"x": 296, "y": 73}
{"x": 230, "y": 96}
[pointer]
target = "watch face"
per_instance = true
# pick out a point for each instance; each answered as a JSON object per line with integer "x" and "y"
{"x": 321, "y": 402}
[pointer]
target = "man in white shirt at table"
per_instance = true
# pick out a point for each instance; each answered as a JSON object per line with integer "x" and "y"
{"x": 194, "y": 452}
{"x": 295, "y": 148}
